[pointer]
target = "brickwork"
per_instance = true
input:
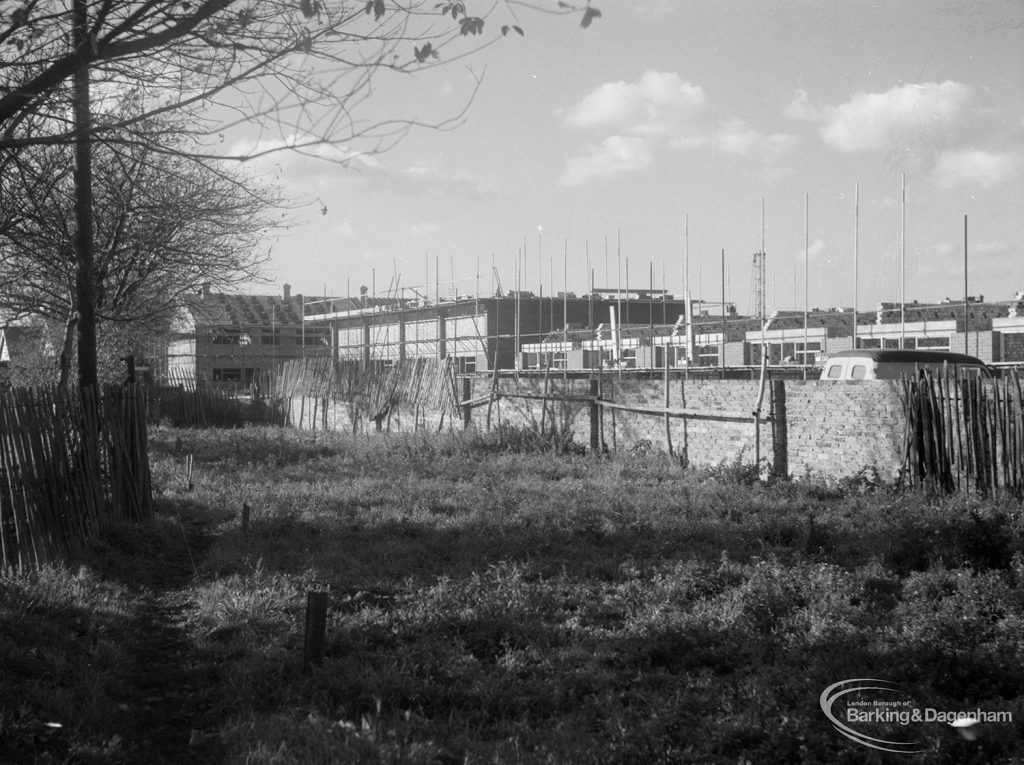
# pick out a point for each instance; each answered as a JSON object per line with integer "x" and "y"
{"x": 816, "y": 428}
{"x": 1013, "y": 346}
{"x": 979, "y": 344}
{"x": 839, "y": 428}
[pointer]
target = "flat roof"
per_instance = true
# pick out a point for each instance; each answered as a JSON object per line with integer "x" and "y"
{"x": 908, "y": 356}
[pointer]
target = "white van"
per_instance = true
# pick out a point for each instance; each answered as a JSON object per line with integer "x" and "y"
{"x": 892, "y": 364}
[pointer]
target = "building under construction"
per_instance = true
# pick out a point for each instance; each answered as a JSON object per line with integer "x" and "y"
{"x": 234, "y": 338}
{"x": 486, "y": 333}
{"x": 648, "y": 330}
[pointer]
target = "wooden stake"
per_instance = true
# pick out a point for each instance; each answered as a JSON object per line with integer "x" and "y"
{"x": 316, "y": 630}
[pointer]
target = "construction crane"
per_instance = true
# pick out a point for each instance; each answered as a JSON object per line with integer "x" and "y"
{"x": 497, "y": 280}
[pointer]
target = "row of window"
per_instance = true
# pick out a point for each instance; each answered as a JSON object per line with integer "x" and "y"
{"x": 931, "y": 343}
{"x": 233, "y": 374}
{"x": 268, "y": 337}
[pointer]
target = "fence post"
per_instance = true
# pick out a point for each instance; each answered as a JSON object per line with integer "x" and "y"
{"x": 780, "y": 447}
{"x": 595, "y": 418}
{"x": 316, "y": 630}
{"x": 467, "y": 411}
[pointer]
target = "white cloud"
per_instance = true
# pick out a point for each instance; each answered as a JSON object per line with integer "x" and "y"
{"x": 658, "y": 104}
{"x": 915, "y": 117}
{"x": 737, "y": 137}
{"x": 993, "y": 249}
{"x": 975, "y": 167}
{"x": 425, "y": 178}
{"x": 344, "y": 229}
{"x": 616, "y": 154}
{"x": 945, "y": 129}
{"x": 800, "y": 108}
{"x": 816, "y": 250}
{"x": 659, "y": 112}
{"x": 942, "y": 250}
{"x": 429, "y": 227}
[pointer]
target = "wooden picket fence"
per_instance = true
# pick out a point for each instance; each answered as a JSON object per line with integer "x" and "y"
{"x": 183, "y": 401}
{"x": 70, "y": 466}
{"x": 964, "y": 433}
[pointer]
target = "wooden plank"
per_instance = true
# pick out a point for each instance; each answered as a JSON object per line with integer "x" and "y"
{"x": 538, "y": 397}
{"x": 668, "y": 418}
{"x": 8, "y": 463}
{"x": 700, "y": 414}
{"x": 909, "y": 471}
{"x": 544, "y": 402}
{"x": 28, "y": 555}
{"x": 953, "y": 427}
{"x": 1018, "y": 420}
{"x": 480, "y": 401}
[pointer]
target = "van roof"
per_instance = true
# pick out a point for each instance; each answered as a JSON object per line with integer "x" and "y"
{"x": 907, "y": 356}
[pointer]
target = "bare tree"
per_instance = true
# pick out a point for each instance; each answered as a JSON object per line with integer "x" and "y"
{"x": 163, "y": 225}
{"x": 299, "y": 67}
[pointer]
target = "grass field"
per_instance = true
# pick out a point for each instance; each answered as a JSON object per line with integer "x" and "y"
{"x": 495, "y": 600}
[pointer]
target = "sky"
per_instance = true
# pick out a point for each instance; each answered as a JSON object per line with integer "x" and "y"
{"x": 666, "y": 132}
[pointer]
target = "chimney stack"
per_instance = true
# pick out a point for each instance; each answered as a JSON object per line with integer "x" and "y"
{"x": 206, "y": 289}
{"x": 287, "y": 292}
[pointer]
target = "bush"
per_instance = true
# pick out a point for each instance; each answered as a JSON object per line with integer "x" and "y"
{"x": 523, "y": 439}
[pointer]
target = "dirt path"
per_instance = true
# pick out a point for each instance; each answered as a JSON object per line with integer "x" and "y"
{"x": 169, "y": 708}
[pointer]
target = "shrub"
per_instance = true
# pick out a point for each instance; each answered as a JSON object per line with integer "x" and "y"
{"x": 523, "y": 439}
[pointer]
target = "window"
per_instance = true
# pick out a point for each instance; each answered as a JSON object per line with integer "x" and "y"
{"x": 706, "y": 356}
{"x": 858, "y": 372}
{"x": 221, "y": 337}
{"x": 270, "y": 338}
{"x": 835, "y": 371}
{"x": 227, "y": 374}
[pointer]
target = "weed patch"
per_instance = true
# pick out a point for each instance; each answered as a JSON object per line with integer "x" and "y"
{"x": 503, "y": 598}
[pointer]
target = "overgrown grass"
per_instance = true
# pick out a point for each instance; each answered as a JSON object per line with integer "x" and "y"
{"x": 504, "y": 597}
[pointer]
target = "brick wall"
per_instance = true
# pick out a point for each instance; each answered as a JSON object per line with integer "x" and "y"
{"x": 819, "y": 428}
{"x": 839, "y": 428}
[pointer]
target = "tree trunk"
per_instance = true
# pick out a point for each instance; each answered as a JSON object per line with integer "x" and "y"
{"x": 85, "y": 276}
{"x": 66, "y": 349}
